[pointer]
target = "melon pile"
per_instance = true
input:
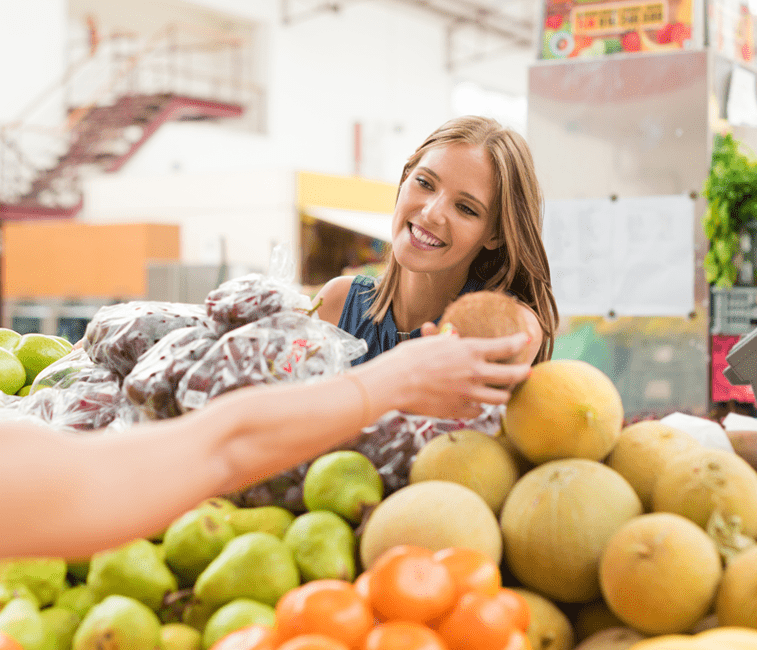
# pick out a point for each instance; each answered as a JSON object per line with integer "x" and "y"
{"x": 635, "y": 534}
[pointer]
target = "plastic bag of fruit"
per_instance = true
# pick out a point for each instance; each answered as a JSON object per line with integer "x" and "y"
{"x": 119, "y": 334}
{"x": 82, "y": 406}
{"x": 249, "y": 298}
{"x": 287, "y": 346}
{"x": 151, "y": 385}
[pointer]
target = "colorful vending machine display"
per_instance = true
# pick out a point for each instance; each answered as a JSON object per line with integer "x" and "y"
{"x": 602, "y": 27}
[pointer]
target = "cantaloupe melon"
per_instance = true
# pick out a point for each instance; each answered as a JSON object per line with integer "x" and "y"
{"x": 659, "y": 572}
{"x": 556, "y": 522}
{"x": 550, "y": 628}
{"x": 566, "y": 409}
{"x": 643, "y": 450}
{"x": 611, "y": 638}
{"x": 471, "y": 458}
{"x": 719, "y": 638}
{"x": 703, "y": 480}
{"x": 434, "y": 515}
{"x": 736, "y": 602}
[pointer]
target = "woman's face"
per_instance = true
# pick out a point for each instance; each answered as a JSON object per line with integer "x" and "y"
{"x": 443, "y": 216}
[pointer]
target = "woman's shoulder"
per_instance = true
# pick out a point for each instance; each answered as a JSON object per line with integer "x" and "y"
{"x": 332, "y": 297}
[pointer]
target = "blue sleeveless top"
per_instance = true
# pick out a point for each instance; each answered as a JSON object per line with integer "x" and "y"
{"x": 382, "y": 336}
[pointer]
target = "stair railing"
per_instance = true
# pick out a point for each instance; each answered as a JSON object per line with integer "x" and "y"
{"x": 178, "y": 59}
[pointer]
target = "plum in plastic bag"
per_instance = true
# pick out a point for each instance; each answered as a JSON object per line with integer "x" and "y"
{"x": 119, "y": 334}
{"x": 249, "y": 298}
{"x": 83, "y": 406}
{"x": 151, "y": 385}
{"x": 288, "y": 346}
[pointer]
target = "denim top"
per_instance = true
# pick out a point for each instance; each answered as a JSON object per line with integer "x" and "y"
{"x": 381, "y": 336}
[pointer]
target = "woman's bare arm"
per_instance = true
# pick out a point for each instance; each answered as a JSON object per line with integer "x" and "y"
{"x": 70, "y": 494}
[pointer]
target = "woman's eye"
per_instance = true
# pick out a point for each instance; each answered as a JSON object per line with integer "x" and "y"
{"x": 466, "y": 210}
{"x": 423, "y": 182}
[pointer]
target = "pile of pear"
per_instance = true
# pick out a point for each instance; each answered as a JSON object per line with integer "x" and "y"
{"x": 214, "y": 569}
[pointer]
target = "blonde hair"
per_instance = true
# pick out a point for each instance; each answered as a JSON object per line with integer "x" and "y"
{"x": 519, "y": 264}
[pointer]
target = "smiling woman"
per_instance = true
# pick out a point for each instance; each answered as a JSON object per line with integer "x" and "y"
{"x": 467, "y": 218}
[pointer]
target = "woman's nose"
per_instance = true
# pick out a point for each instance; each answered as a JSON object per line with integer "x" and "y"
{"x": 433, "y": 208}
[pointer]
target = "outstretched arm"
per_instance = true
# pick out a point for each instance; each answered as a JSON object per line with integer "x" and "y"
{"x": 70, "y": 494}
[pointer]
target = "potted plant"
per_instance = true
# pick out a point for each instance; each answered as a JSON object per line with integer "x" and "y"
{"x": 731, "y": 216}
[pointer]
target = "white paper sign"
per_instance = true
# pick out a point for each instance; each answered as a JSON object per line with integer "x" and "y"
{"x": 630, "y": 257}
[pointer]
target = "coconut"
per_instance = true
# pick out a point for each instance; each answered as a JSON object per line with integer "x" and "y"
{"x": 565, "y": 409}
{"x": 643, "y": 450}
{"x": 704, "y": 481}
{"x": 736, "y": 602}
{"x": 611, "y": 638}
{"x": 659, "y": 573}
{"x": 434, "y": 515}
{"x": 484, "y": 314}
{"x": 471, "y": 458}
{"x": 556, "y": 521}
{"x": 550, "y": 628}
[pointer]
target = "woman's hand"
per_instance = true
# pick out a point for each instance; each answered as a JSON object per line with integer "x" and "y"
{"x": 449, "y": 376}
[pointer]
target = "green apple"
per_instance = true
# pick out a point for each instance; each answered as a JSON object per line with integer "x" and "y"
{"x": 12, "y": 372}
{"x": 8, "y": 338}
{"x": 37, "y": 351}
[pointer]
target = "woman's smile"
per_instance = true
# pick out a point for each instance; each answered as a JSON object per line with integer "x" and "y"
{"x": 423, "y": 239}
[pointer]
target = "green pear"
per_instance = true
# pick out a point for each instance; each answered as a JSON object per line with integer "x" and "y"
{"x": 193, "y": 540}
{"x": 44, "y": 576}
{"x": 240, "y": 612}
{"x": 323, "y": 545}
{"x": 254, "y": 565}
{"x": 118, "y": 623}
{"x": 261, "y": 519}
{"x": 217, "y": 503}
{"x": 78, "y": 599}
{"x": 18, "y": 590}
{"x": 21, "y": 620}
{"x": 180, "y": 636}
{"x": 133, "y": 569}
{"x": 8, "y": 338}
{"x": 63, "y": 623}
{"x": 345, "y": 482}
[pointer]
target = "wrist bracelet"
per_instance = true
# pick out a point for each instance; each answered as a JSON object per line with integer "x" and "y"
{"x": 363, "y": 396}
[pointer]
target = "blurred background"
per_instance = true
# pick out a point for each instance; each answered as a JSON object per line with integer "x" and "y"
{"x": 151, "y": 149}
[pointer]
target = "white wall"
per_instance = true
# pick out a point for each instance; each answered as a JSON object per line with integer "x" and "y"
{"x": 32, "y": 46}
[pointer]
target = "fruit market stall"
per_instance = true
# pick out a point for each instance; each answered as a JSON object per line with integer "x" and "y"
{"x": 551, "y": 523}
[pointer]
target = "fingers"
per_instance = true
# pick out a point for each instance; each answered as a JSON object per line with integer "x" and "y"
{"x": 429, "y": 329}
{"x": 498, "y": 374}
{"x": 501, "y": 348}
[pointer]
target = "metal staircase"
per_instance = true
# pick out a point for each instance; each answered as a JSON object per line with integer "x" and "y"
{"x": 127, "y": 91}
